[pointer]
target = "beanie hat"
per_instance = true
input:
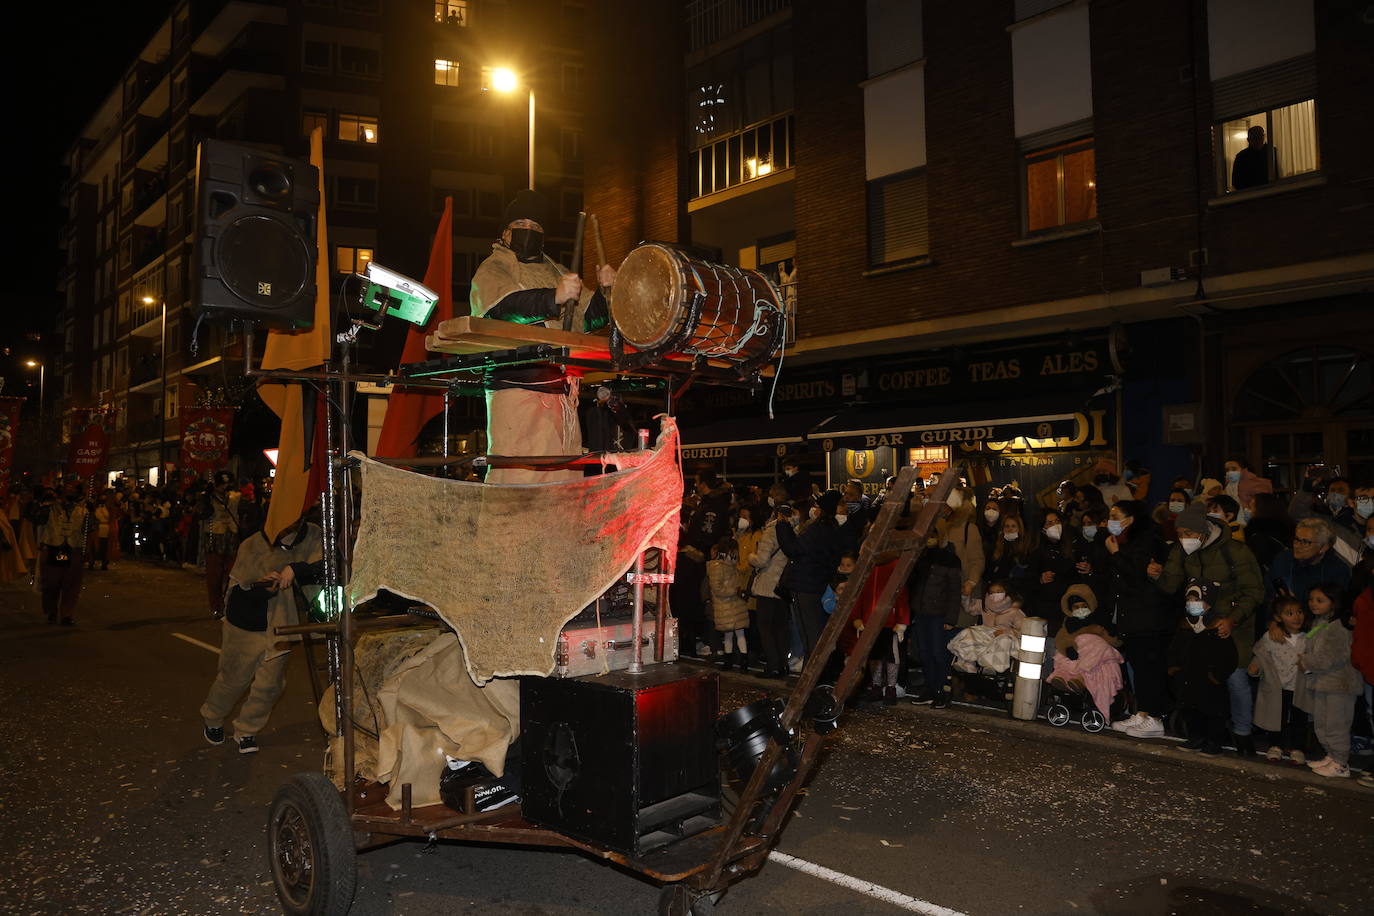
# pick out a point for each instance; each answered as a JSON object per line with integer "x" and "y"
{"x": 529, "y": 205}
{"x": 1206, "y": 484}
{"x": 1198, "y": 589}
{"x": 828, "y": 501}
{"x": 1194, "y": 518}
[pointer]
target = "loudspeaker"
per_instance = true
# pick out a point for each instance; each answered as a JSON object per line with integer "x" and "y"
{"x": 255, "y": 249}
{"x": 624, "y": 761}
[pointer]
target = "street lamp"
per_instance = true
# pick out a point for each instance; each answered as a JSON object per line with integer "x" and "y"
{"x": 162, "y": 399}
{"x": 42, "y": 373}
{"x": 503, "y": 79}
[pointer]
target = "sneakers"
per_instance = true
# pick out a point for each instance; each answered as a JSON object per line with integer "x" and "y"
{"x": 1124, "y": 724}
{"x": 1274, "y": 754}
{"x": 921, "y": 699}
{"x": 1145, "y": 727}
{"x": 214, "y": 735}
{"x": 1367, "y": 781}
{"x": 1333, "y": 770}
{"x": 1192, "y": 744}
{"x": 1297, "y": 758}
{"x": 247, "y": 744}
{"x": 1320, "y": 763}
{"x": 942, "y": 700}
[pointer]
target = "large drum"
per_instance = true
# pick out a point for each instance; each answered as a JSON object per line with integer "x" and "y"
{"x": 667, "y": 304}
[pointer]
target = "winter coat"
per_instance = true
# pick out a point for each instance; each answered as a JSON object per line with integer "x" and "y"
{"x": 1269, "y": 699}
{"x": 872, "y": 590}
{"x": 1234, "y": 575}
{"x": 1300, "y": 578}
{"x": 1055, "y": 557}
{"x": 1326, "y": 659}
{"x": 1017, "y": 571}
{"x": 961, "y": 532}
{"x": 769, "y": 560}
{"x": 1098, "y": 623}
{"x": 812, "y": 555}
{"x": 708, "y": 522}
{"x": 1362, "y": 648}
{"x": 936, "y": 585}
{"x": 728, "y": 610}
{"x": 1137, "y": 606}
{"x": 1203, "y": 661}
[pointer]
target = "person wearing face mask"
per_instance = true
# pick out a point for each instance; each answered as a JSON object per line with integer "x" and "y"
{"x": 1140, "y": 614}
{"x": 532, "y": 409}
{"x": 1054, "y": 563}
{"x": 1085, "y": 650}
{"x": 1206, "y": 553}
{"x": 1013, "y": 557}
{"x": 1109, "y": 483}
{"x": 1337, "y": 505}
{"x": 957, "y": 528}
{"x": 1201, "y": 659}
{"x": 812, "y": 553}
{"x": 1224, "y": 511}
{"x": 1090, "y": 554}
{"x": 1362, "y": 575}
{"x": 796, "y": 480}
{"x": 1165, "y": 513}
{"x": 989, "y": 521}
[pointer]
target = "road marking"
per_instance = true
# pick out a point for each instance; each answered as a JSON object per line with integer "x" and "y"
{"x": 197, "y": 642}
{"x": 876, "y": 891}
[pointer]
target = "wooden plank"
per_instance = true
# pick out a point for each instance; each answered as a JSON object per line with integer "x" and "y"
{"x": 481, "y": 335}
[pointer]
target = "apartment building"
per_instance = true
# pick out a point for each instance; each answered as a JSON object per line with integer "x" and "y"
{"x": 1022, "y": 235}
{"x": 404, "y": 94}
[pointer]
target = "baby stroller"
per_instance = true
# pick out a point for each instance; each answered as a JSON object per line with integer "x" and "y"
{"x": 1064, "y": 701}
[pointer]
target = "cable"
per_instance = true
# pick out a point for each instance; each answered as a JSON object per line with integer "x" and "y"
{"x": 777, "y": 370}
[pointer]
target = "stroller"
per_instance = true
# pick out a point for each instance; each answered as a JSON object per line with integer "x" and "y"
{"x": 1066, "y": 702}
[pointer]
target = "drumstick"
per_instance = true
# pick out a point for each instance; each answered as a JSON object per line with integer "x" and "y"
{"x": 596, "y": 239}
{"x": 571, "y": 305}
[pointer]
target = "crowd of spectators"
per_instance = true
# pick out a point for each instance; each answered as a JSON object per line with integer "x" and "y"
{"x": 1224, "y": 611}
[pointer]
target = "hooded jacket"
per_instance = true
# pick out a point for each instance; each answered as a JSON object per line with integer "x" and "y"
{"x": 1092, "y": 625}
{"x": 1234, "y": 574}
{"x": 962, "y": 533}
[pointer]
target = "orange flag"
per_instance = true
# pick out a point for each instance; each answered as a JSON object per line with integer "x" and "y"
{"x": 408, "y": 410}
{"x": 291, "y": 490}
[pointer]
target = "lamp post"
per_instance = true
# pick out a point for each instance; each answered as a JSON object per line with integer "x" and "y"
{"x": 42, "y": 374}
{"x": 503, "y": 79}
{"x": 162, "y": 399}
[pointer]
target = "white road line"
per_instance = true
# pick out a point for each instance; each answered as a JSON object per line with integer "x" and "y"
{"x": 876, "y": 891}
{"x": 197, "y": 642}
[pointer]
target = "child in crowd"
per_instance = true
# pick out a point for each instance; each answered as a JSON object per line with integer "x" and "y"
{"x": 728, "y": 609}
{"x": 1328, "y": 683}
{"x": 935, "y": 606}
{"x": 1086, "y": 656}
{"x": 884, "y": 658}
{"x": 1276, "y": 665}
{"x": 1200, "y": 661}
{"x": 991, "y": 645}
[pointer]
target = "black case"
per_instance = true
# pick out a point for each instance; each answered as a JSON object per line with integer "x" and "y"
{"x": 627, "y": 762}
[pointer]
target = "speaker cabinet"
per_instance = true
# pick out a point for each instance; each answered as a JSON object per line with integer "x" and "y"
{"x": 627, "y": 762}
{"x": 255, "y": 250}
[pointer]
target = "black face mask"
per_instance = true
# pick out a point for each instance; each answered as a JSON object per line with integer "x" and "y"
{"x": 528, "y": 244}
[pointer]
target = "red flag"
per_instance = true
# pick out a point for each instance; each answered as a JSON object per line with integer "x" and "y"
{"x": 9, "y": 430}
{"x": 407, "y": 411}
{"x": 205, "y": 438}
{"x": 89, "y": 451}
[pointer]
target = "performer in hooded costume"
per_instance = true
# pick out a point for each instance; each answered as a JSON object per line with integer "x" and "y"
{"x": 532, "y": 410}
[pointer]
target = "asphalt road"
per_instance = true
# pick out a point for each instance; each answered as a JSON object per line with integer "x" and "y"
{"x": 113, "y": 803}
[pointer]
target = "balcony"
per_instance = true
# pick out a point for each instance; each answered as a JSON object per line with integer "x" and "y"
{"x": 757, "y": 153}
{"x": 710, "y": 21}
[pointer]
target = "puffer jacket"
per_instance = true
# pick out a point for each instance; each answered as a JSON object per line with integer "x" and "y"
{"x": 1234, "y": 575}
{"x": 728, "y": 610}
{"x": 769, "y": 560}
{"x": 813, "y": 554}
{"x": 1325, "y": 663}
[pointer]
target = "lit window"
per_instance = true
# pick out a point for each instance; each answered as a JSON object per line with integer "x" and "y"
{"x": 1266, "y": 146}
{"x": 351, "y": 260}
{"x": 1061, "y": 186}
{"x": 445, "y": 72}
{"x": 357, "y": 128}
{"x": 313, "y": 119}
{"x": 451, "y": 12}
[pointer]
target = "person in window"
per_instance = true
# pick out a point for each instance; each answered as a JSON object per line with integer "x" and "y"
{"x": 1255, "y": 165}
{"x": 532, "y": 410}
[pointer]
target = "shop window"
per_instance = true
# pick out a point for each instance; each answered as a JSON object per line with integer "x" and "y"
{"x": 363, "y": 62}
{"x": 357, "y": 128}
{"x": 349, "y": 260}
{"x": 897, "y": 229}
{"x": 445, "y": 72}
{"x": 451, "y": 12}
{"x": 1061, "y": 186}
{"x": 1267, "y": 146}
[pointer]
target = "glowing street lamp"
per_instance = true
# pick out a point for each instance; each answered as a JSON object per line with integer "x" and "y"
{"x": 162, "y": 400}
{"x": 42, "y": 376}
{"x": 503, "y": 79}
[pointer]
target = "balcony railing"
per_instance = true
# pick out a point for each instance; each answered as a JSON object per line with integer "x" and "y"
{"x": 748, "y": 155}
{"x": 708, "y": 21}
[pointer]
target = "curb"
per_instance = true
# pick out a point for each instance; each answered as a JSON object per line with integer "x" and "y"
{"x": 1155, "y": 749}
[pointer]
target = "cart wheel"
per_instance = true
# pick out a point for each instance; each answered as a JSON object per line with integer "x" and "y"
{"x": 310, "y": 842}
{"x": 1093, "y": 721}
{"x": 1058, "y": 715}
{"x": 681, "y": 900}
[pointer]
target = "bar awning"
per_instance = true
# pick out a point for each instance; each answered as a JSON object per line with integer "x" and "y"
{"x": 872, "y": 426}
{"x": 785, "y": 429}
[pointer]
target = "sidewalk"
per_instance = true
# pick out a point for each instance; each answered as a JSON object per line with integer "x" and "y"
{"x": 1160, "y": 750}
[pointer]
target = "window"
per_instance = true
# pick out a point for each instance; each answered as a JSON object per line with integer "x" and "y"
{"x": 451, "y": 12}
{"x": 897, "y": 230}
{"x": 357, "y": 128}
{"x": 571, "y": 142}
{"x": 313, "y": 119}
{"x": 445, "y": 72}
{"x": 572, "y": 79}
{"x": 485, "y": 137}
{"x": 356, "y": 193}
{"x": 489, "y": 205}
{"x": 126, "y": 251}
{"x": 571, "y": 203}
{"x": 319, "y": 55}
{"x": 487, "y": 78}
{"x": 1266, "y": 146}
{"x": 178, "y": 91}
{"x": 364, "y": 62}
{"x": 351, "y": 260}
{"x": 1061, "y": 186}
{"x": 175, "y": 216}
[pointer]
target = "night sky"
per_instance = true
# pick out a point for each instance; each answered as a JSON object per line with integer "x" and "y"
{"x": 66, "y": 67}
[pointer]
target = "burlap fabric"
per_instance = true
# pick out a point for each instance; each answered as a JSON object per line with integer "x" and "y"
{"x": 507, "y": 566}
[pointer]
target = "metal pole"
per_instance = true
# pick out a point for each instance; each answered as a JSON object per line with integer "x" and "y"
{"x": 446, "y": 394}
{"x": 162, "y": 409}
{"x": 532, "y": 138}
{"x": 637, "y": 621}
{"x": 42, "y": 376}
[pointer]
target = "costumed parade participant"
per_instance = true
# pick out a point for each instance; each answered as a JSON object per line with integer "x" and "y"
{"x": 532, "y": 410}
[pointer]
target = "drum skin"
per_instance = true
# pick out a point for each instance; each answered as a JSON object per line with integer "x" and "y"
{"x": 670, "y": 304}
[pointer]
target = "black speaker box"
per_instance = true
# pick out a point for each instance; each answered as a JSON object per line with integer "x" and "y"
{"x": 255, "y": 250}
{"x": 624, "y": 761}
